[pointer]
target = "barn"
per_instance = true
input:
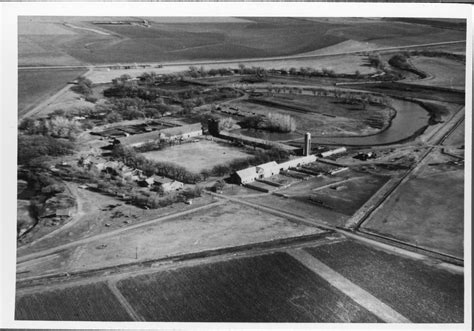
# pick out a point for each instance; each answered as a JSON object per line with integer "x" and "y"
{"x": 245, "y": 176}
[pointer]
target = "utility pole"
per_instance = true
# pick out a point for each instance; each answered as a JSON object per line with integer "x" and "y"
{"x": 136, "y": 252}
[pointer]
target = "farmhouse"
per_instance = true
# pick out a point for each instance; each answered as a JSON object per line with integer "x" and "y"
{"x": 167, "y": 185}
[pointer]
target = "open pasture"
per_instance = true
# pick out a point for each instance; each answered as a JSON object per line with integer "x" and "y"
{"x": 427, "y": 211}
{"x": 94, "y": 302}
{"x": 300, "y": 207}
{"x": 269, "y": 288}
{"x": 198, "y": 156}
{"x": 348, "y": 196}
{"x": 420, "y": 292}
{"x": 36, "y": 85}
{"x": 220, "y": 226}
{"x": 444, "y": 72}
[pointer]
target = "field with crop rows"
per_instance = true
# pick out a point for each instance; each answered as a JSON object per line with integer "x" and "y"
{"x": 270, "y": 288}
{"x": 422, "y": 293}
{"x": 93, "y": 302}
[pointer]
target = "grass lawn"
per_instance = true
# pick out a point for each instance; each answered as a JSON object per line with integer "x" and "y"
{"x": 446, "y": 73}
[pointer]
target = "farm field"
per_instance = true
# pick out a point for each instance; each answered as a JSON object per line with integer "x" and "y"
{"x": 198, "y": 156}
{"x": 427, "y": 211}
{"x": 255, "y": 37}
{"x": 211, "y": 40}
{"x": 345, "y": 196}
{"x": 306, "y": 209}
{"x": 93, "y": 302}
{"x": 269, "y": 288}
{"x": 421, "y": 292}
{"x": 457, "y": 137}
{"x": 221, "y": 226}
{"x": 36, "y": 85}
{"x": 445, "y": 72}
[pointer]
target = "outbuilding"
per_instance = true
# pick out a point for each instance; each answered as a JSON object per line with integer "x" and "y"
{"x": 267, "y": 169}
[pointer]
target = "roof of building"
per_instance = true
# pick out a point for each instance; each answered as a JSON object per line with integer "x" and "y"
{"x": 248, "y": 172}
{"x": 268, "y": 165}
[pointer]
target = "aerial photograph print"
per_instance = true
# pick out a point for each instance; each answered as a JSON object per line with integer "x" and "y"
{"x": 241, "y": 169}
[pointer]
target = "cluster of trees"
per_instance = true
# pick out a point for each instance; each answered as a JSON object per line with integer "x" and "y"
{"x": 132, "y": 102}
{"x": 83, "y": 86}
{"x": 151, "y": 146}
{"x": 56, "y": 125}
{"x": 272, "y": 122}
{"x": 400, "y": 61}
{"x": 132, "y": 159}
{"x": 34, "y": 149}
{"x": 195, "y": 72}
{"x": 375, "y": 60}
{"x": 428, "y": 53}
{"x": 44, "y": 186}
{"x": 155, "y": 200}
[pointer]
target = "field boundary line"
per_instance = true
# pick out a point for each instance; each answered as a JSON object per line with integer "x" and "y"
{"x": 356, "y": 293}
{"x": 123, "y": 301}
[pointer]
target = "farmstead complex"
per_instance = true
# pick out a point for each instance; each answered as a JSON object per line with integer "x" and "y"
{"x": 242, "y": 169}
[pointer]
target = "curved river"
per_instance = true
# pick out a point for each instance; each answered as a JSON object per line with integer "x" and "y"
{"x": 408, "y": 121}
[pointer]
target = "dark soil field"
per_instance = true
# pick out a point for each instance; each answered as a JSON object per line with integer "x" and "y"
{"x": 93, "y": 302}
{"x": 270, "y": 288}
{"x": 422, "y": 293}
{"x": 36, "y": 85}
